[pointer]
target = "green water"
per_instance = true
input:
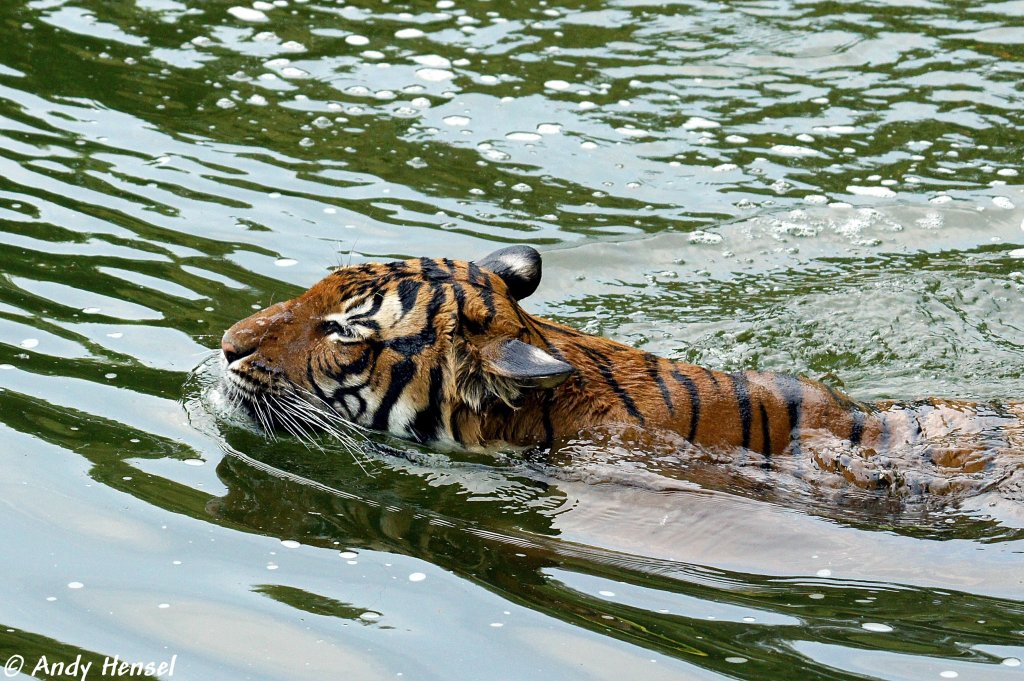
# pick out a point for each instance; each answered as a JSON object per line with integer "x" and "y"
{"x": 829, "y": 188}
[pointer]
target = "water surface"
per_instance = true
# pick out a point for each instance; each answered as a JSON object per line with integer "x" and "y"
{"x": 830, "y": 188}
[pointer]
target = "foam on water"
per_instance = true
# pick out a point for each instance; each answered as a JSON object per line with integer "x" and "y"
{"x": 247, "y": 14}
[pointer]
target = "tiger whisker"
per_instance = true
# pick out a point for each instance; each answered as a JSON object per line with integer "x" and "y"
{"x": 327, "y": 422}
{"x": 291, "y": 423}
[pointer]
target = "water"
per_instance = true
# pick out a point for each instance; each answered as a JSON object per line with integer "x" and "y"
{"x": 824, "y": 188}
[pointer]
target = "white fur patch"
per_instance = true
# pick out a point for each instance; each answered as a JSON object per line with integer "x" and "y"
{"x": 401, "y": 416}
{"x": 523, "y": 267}
{"x": 390, "y": 311}
{"x": 541, "y": 357}
{"x": 351, "y": 404}
{"x": 359, "y": 308}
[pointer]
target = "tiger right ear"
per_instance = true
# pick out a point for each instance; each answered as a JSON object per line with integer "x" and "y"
{"x": 518, "y": 267}
{"x": 525, "y": 364}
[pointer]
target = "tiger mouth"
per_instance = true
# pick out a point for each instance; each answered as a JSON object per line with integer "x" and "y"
{"x": 255, "y": 398}
{"x": 273, "y": 407}
{"x": 243, "y": 387}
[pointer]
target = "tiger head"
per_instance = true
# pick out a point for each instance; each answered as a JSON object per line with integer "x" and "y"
{"x": 421, "y": 348}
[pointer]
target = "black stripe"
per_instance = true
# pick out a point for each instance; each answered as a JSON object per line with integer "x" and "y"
{"x": 311, "y": 377}
{"x": 378, "y": 300}
{"x": 792, "y": 391}
{"x": 454, "y": 424}
{"x": 483, "y": 282}
{"x": 401, "y": 374}
{"x": 550, "y": 326}
{"x": 471, "y": 325}
{"x": 857, "y": 430}
{"x": 415, "y": 343}
{"x": 603, "y": 365}
{"x": 691, "y": 388}
{"x": 432, "y": 271}
{"x": 352, "y": 391}
{"x": 654, "y": 373}
{"x": 487, "y": 295}
{"x": 766, "y": 434}
{"x": 353, "y": 368}
{"x": 711, "y": 376}
{"x": 739, "y": 386}
{"x": 476, "y": 275}
{"x": 408, "y": 290}
{"x": 428, "y": 419}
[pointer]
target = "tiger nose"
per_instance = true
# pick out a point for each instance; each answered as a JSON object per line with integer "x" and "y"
{"x": 235, "y": 348}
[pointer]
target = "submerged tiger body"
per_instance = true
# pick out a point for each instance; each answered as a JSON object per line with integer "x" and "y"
{"x": 440, "y": 351}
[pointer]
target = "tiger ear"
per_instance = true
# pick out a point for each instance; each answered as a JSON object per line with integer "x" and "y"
{"x": 525, "y": 364}
{"x": 518, "y": 267}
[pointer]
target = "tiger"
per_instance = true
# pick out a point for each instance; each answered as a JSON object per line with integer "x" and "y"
{"x": 441, "y": 352}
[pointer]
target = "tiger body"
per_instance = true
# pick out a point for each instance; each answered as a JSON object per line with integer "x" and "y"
{"x": 440, "y": 351}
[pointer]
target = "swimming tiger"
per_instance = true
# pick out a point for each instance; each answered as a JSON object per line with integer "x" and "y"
{"x": 440, "y": 351}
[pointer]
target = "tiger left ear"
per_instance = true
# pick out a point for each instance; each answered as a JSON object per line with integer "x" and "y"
{"x": 525, "y": 364}
{"x": 518, "y": 267}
